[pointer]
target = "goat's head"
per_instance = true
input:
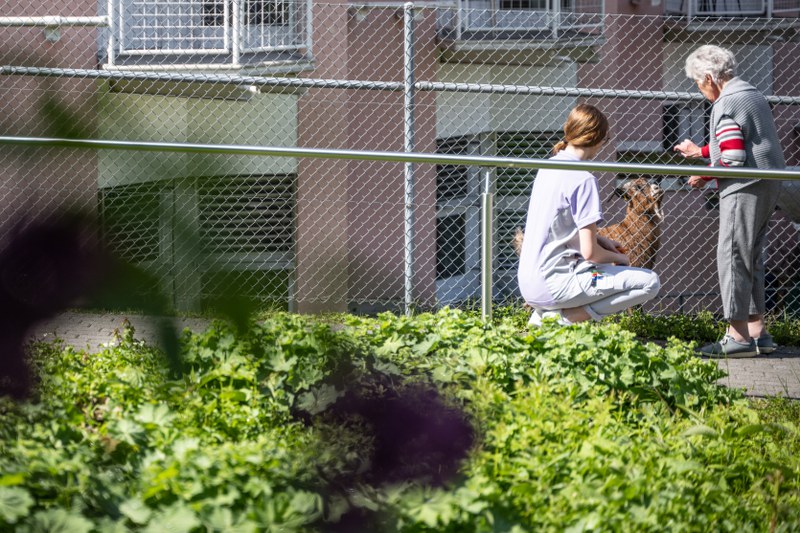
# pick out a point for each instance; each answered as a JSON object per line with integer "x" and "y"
{"x": 643, "y": 197}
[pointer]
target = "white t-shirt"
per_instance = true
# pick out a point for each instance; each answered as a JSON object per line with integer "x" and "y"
{"x": 562, "y": 202}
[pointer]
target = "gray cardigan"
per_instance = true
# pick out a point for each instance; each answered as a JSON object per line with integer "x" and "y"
{"x": 750, "y": 110}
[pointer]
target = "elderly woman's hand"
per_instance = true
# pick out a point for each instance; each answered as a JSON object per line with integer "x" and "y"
{"x": 697, "y": 182}
{"x": 689, "y": 149}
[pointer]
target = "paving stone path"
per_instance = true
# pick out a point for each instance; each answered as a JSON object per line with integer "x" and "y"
{"x": 777, "y": 374}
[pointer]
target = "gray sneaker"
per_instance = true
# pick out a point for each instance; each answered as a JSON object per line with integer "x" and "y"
{"x": 728, "y": 347}
{"x": 765, "y": 344}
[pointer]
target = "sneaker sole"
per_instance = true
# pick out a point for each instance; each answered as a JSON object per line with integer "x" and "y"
{"x": 739, "y": 355}
{"x": 767, "y": 351}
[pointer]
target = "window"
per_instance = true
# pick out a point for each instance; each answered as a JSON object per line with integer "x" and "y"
{"x": 130, "y": 218}
{"x": 523, "y": 4}
{"x": 247, "y": 214}
{"x": 451, "y": 232}
{"x": 452, "y": 181}
{"x": 685, "y": 121}
{"x": 256, "y": 12}
{"x": 267, "y": 12}
{"x": 534, "y": 145}
{"x": 214, "y": 13}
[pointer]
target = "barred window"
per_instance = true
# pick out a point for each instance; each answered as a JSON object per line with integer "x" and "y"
{"x": 452, "y": 181}
{"x": 131, "y": 221}
{"x": 267, "y": 12}
{"x": 247, "y": 214}
{"x": 523, "y": 4}
{"x": 256, "y": 12}
{"x": 526, "y": 144}
{"x": 214, "y": 13}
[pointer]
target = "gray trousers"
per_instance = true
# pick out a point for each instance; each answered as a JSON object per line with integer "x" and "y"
{"x": 743, "y": 222}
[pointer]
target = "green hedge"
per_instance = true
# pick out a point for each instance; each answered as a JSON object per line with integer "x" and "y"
{"x": 576, "y": 429}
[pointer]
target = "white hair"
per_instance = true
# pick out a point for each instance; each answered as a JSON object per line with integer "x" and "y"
{"x": 710, "y": 60}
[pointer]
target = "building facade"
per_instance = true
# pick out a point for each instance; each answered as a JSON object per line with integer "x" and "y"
{"x": 320, "y": 234}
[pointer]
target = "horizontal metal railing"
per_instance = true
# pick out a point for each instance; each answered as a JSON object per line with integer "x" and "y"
{"x": 402, "y": 157}
{"x": 48, "y": 21}
{"x": 409, "y": 158}
{"x": 307, "y": 83}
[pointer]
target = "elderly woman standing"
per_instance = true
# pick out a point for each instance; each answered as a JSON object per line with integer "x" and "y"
{"x": 742, "y": 134}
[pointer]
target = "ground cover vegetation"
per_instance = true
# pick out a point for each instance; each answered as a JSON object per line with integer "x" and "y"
{"x": 700, "y": 327}
{"x": 436, "y": 422}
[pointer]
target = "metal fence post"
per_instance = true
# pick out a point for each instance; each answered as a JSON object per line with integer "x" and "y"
{"x": 487, "y": 242}
{"x": 236, "y": 31}
{"x": 309, "y": 40}
{"x": 460, "y": 18}
{"x": 111, "y": 45}
{"x": 408, "y": 146}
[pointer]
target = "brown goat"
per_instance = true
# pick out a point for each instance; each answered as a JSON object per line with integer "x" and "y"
{"x": 638, "y": 233}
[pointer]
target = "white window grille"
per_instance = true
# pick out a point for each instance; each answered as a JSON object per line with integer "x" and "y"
{"x": 732, "y": 8}
{"x": 527, "y": 19}
{"x": 179, "y": 27}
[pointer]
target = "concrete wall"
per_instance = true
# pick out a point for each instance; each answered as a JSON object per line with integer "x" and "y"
{"x": 321, "y": 249}
{"x": 257, "y": 119}
{"x": 350, "y": 214}
{"x": 460, "y": 114}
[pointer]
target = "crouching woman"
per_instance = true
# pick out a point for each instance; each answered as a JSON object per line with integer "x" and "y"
{"x": 566, "y": 269}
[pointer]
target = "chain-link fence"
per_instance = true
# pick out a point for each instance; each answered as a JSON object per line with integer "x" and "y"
{"x": 489, "y": 78}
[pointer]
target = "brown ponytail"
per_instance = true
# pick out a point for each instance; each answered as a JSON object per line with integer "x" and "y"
{"x": 560, "y": 145}
{"x": 585, "y": 126}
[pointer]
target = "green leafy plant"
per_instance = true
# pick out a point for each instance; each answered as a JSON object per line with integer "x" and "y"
{"x": 700, "y": 327}
{"x": 583, "y": 428}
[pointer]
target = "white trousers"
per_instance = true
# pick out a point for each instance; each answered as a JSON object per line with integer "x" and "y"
{"x": 607, "y": 289}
